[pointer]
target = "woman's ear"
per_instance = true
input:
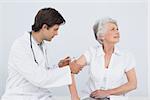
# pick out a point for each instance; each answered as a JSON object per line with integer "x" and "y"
{"x": 101, "y": 38}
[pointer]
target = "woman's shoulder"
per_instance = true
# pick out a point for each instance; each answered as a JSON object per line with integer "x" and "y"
{"x": 93, "y": 48}
{"x": 124, "y": 51}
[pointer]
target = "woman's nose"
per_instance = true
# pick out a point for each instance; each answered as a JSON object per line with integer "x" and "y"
{"x": 117, "y": 31}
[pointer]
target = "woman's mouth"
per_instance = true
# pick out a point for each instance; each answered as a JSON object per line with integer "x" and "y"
{"x": 116, "y": 36}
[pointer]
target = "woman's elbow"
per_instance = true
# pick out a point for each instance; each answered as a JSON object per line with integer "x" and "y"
{"x": 133, "y": 86}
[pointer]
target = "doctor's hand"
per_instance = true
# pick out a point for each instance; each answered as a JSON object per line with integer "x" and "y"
{"x": 99, "y": 94}
{"x": 64, "y": 62}
{"x": 74, "y": 67}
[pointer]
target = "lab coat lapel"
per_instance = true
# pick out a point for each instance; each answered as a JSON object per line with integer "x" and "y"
{"x": 45, "y": 54}
{"x": 39, "y": 55}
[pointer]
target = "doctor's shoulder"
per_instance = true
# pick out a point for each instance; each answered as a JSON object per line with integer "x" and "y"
{"x": 20, "y": 43}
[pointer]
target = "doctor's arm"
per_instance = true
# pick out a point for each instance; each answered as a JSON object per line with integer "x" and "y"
{"x": 130, "y": 85}
{"x": 37, "y": 74}
{"x": 75, "y": 65}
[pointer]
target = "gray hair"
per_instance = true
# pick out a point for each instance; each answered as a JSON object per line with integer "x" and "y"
{"x": 99, "y": 26}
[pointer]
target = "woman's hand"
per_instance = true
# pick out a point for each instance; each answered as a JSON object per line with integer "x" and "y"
{"x": 99, "y": 94}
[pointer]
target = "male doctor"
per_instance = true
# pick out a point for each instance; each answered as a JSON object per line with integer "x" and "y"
{"x": 29, "y": 75}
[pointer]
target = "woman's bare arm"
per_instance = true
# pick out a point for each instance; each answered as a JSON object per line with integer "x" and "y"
{"x": 130, "y": 85}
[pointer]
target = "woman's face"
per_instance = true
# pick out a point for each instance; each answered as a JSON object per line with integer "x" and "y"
{"x": 111, "y": 34}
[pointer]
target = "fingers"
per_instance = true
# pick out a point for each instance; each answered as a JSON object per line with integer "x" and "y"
{"x": 93, "y": 94}
{"x": 99, "y": 94}
{"x": 64, "y": 62}
{"x": 67, "y": 59}
{"x": 74, "y": 62}
{"x": 75, "y": 68}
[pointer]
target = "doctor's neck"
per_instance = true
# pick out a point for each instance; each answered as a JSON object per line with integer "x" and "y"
{"x": 37, "y": 36}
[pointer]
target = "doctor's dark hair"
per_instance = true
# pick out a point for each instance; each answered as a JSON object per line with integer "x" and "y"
{"x": 48, "y": 16}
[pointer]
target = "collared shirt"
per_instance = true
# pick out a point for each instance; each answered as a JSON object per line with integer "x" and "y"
{"x": 106, "y": 78}
{"x": 39, "y": 44}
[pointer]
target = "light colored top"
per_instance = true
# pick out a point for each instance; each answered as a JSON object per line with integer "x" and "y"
{"x": 28, "y": 80}
{"x": 102, "y": 78}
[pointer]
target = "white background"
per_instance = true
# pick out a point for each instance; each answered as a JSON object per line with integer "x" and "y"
{"x": 77, "y": 35}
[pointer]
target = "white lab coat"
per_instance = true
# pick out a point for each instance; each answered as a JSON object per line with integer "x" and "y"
{"x": 28, "y": 80}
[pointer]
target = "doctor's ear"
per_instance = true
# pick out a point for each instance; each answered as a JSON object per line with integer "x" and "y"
{"x": 45, "y": 26}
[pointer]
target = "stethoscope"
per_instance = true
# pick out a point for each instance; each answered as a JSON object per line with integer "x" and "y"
{"x": 32, "y": 49}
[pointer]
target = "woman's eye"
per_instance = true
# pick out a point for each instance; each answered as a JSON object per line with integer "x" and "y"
{"x": 112, "y": 29}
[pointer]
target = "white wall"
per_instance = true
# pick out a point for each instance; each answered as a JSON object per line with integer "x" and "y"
{"x": 149, "y": 47}
{"x": 0, "y": 52}
{"x": 77, "y": 35}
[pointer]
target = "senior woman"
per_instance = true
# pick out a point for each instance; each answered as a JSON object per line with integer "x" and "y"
{"x": 107, "y": 64}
